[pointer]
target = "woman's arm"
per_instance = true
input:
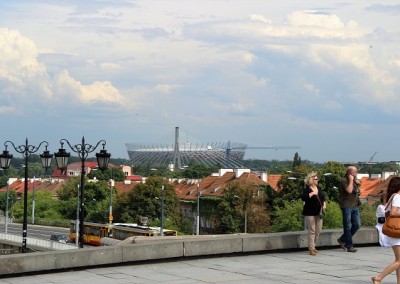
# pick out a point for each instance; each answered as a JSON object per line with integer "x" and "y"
{"x": 306, "y": 193}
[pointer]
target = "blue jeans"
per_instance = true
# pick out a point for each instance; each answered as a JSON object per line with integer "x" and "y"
{"x": 351, "y": 224}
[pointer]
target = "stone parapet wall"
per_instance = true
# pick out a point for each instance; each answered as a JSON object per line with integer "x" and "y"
{"x": 159, "y": 248}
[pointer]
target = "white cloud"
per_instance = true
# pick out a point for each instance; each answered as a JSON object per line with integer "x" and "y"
{"x": 97, "y": 91}
{"x": 260, "y": 18}
{"x": 20, "y": 72}
{"x": 23, "y": 76}
{"x": 110, "y": 66}
{"x": 314, "y": 19}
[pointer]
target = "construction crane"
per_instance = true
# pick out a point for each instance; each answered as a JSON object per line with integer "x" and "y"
{"x": 366, "y": 166}
{"x": 229, "y": 148}
{"x": 372, "y": 157}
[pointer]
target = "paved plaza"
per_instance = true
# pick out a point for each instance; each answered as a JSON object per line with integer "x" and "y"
{"x": 331, "y": 265}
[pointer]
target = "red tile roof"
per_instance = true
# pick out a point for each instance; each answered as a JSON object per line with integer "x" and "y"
{"x": 382, "y": 186}
{"x": 134, "y": 178}
{"x": 211, "y": 185}
{"x": 19, "y": 185}
{"x": 124, "y": 187}
{"x": 368, "y": 185}
{"x": 273, "y": 180}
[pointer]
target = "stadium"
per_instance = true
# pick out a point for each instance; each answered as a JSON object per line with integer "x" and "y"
{"x": 226, "y": 154}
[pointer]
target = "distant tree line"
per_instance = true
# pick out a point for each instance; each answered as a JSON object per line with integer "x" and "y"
{"x": 243, "y": 206}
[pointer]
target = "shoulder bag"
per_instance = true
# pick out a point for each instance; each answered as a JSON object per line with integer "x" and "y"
{"x": 321, "y": 211}
{"x": 391, "y": 227}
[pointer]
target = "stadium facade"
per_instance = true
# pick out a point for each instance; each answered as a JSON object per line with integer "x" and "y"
{"x": 226, "y": 154}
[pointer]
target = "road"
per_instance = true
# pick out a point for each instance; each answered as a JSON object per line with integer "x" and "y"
{"x": 34, "y": 231}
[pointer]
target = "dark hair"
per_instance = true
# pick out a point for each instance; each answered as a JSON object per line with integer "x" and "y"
{"x": 383, "y": 197}
{"x": 393, "y": 187}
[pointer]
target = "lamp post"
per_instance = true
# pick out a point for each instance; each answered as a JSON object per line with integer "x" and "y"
{"x": 198, "y": 211}
{"x": 110, "y": 216}
{"x": 83, "y": 151}
{"x": 25, "y": 150}
{"x": 7, "y": 197}
{"x": 197, "y": 201}
{"x": 162, "y": 208}
{"x": 198, "y": 205}
{"x": 77, "y": 217}
{"x": 162, "y": 204}
{"x": 33, "y": 201}
{"x": 245, "y": 220}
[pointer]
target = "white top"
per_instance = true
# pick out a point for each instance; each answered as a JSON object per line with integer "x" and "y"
{"x": 380, "y": 211}
{"x": 396, "y": 203}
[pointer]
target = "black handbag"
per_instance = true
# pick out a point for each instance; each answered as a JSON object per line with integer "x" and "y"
{"x": 321, "y": 213}
{"x": 381, "y": 220}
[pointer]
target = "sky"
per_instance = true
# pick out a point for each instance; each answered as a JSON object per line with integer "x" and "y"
{"x": 319, "y": 75}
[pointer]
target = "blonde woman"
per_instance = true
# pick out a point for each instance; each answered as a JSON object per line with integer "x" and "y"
{"x": 314, "y": 200}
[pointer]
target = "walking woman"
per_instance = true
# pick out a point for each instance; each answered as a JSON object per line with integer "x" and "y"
{"x": 393, "y": 201}
{"x": 314, "y": 200}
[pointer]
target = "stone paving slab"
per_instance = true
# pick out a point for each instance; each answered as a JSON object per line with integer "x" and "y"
{"x": 330, "y": 266}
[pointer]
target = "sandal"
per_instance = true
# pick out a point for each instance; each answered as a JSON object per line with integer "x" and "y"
{"x": 375, "y": 281}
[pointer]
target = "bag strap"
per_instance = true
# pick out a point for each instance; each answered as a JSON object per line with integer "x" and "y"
{"x": 319, "y": 200}
{"x": 390, "y": 201}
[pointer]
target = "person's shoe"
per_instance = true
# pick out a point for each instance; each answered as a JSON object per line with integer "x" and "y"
{"x": 312, "y": 252}
{"x": 315, "y": 250}
{"x": 351, "y": 250}
{"x": 342, "y": 244}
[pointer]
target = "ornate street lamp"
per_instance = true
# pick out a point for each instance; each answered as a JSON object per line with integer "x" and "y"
{"x": 83, "y": 151}
{"x": 25, "y": 150}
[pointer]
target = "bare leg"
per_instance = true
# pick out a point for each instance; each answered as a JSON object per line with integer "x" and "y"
{"x": 398, "y": 275}
{"x": 395, "y": 265}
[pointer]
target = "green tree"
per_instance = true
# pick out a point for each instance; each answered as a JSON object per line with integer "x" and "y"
{"x": 145, "y": 201}
{"x": 110, "y": 173}
{"x": 45, "y": 206}
{"x": 296, "y": 161}
{"x": 242, "y": 199}
{"x": 96, "y": 201}
{"x": 196, "y": 170}
{"x": 368, "y": 215}
{"x": 330, "y": 177}
{"x": 333, "y": 217}
{"x": 291, "y": 185}
{"x": 12, "y": 198}
{"x": 288, "y": 217}
{"x": 121, "y": 211}
{"x": 379, "y": 168}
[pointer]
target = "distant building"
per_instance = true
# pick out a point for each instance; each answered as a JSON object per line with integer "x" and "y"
{"x": 175, "y": 156}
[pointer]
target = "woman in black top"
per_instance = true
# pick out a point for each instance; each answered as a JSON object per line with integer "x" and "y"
{"x": 314, "y": 200}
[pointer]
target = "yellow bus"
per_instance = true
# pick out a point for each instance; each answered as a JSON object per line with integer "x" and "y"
{"x": 121, "y": 231}
{"x": 93, "y": 232}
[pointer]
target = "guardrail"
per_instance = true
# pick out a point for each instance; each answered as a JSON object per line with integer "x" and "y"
{"x": 35, "y": 243}
{"x": 145, "y": 249}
